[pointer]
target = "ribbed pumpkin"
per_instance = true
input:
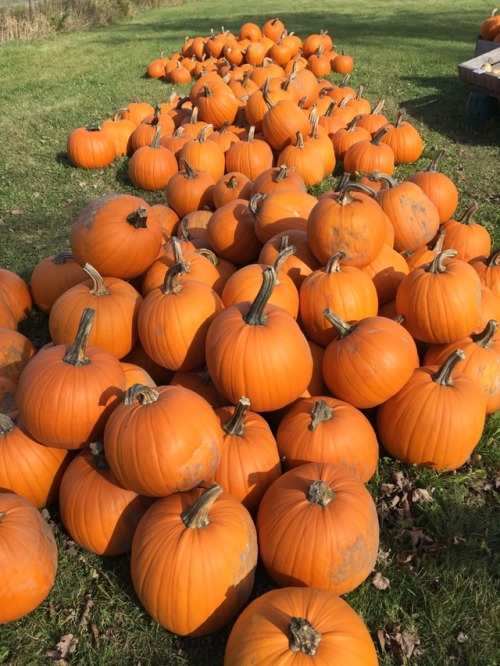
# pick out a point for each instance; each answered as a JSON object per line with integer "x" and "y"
{"x": 298, "y": 265}
{"x": 387, "y": 271}
{"x": 346, "y": 290}
{"x": 15, "y": 352}
{"x": 349, "y": 221}
{"x": 439, "y": 187}
{"x": 294, "y": 625}
{"x": 207, "y": 538}
{"x": 231, "y": 232}
{"x": 305, "y": 158}
{"x": 250, "y": 461}
{"x": 251, "y": 156}
{"x": 118, "y": 234}
{"x": 116, "y": 303}
{"x": 28, "y": 557}
{"x": 174, "y": 320}
{"x": 488, "y": 269}
{"x": 87, "y": 486}
{"x": 335, "y": 516}
{"x": 385, "y": 358}
{"x": 436, "y": 419}
{"x": 180, "y": 452}
{"x": 204, "y": 155}
{"x": 190, "y": 189}
{"x": 278, "y": 178}
{"x": 233, "y": 185}
{"x": 468, "y": 238}
{"x": 120, "y": 130}
{"x": 367, "y": 156}
{"x": 16, "y": 294}
{"x": 323, "y": 429}
{"x": 249, "y": 344}
{"x": 51, "y": 277}
{"x": 152, "y": 165}
{"x": 67, "y": 392}
{"x": 440, "y": 301}
{"x": 282, "y": 122}
{"x": 27, "y": 467}
{"x": 279, "y": 211}
{"x": 481, "y": 363}
{"x": 90, "y": 147}
{"x": 405, "y": 141}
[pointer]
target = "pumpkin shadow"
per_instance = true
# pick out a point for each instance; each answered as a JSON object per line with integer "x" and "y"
{"x": 63, "y": 158}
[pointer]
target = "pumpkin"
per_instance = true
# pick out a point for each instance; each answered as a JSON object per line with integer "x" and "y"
{"x": 344, "y": 289}
{"x": 324, "y": 429}
{"x": 385, "y": 358}
{"x": 405, "y": 141}
{"x": 120, "y": 130}
{"x": 52, "y": 276}
{"x": 174, "y": 320}
{"x": 279, "y": 211}
{"x": 249, "y": 343}
{"x": 180, "y": 452}
{"x": 116, "y": 303}
{"x": 201, "y": 383}
{"x": 8, "y": 405}
{"x": 67, "y": 392}
{"x": 204, "y": 155}
{"x": 207, "y": 538}
{"x": 490, "y": 27}
{"x": 488, "y": 269}
{"x": 87, "y": 486}
{"x": 387, "y": 271}
{"x": 481, "y": 362}
{"x": 281, "y": 123}
{"x": 367, "y": 156}
{"x": 305, "y": 158}
{"x": 152, "y": 166}
{"x": 144, "y": 134}
{"x": 28, "y": 557}
{"x": 249, "y": 459}
{"x": 293, "y": 624}
{"x": 90, "y": 147}
{"x": 278, "y": 178}
{"x": 468, "y": 238}
{"x": 250, "y": 157}
{"x": 15, "y": 352}
{"x": 440, "y": 301}
{"x": 16, "y": 294}
{"x": 436, "y": 419}
{"x": 118, "y": 234}
{"x": 190, "y": 189}
{"x": 298, "y": 265}
{"x": 438, "y": 187}
{"x": 336, "y": 518}
{"x": 27, "y": 467}
{"x": 234, "y": 185}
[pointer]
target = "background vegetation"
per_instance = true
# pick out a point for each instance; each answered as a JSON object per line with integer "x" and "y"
{"x": 435, "y": 596}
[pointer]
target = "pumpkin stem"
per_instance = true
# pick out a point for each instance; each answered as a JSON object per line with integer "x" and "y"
{"x": 341, "y": 326}
{"x": 345, "y": 193}
{"x": 98, "y": 458}
{"x": 378, "y": 136}
{"x": 201, "y": 137}
{"x": 251, "y": 134}
{"x": 284, "y": 243}
{"x": 155, "y": 143}
{"x": 378, "y": 107}
{"x": 300, "y": 140}
{"x": 236, "y": 424}
{"x": 438, "y": 247}
{"x": 466, "y": 217}
{"x": 384, "y": 177}
{"x": 303, "y": 637}
{"x": 485, "y": 338}
{"x": 145, "y": 394}
{"x": 232, "y": 183}
{"x": 76, "y": 354}
{"x": 399, "y": 119}
{"x": 320, "y": 413}
{"x": 319, "y": 492}
{"x": 171, "y": 281}
{"x": 333, "y": 265}
{"x": 211, "y": 256}
{"x": 254, "y": 202}
{"x": 196, "y": 515}
{"x": 6, "y": 425}
{"x": 443, "y": 375}
{"x": 62, "y": 257}
{"x": 281, "y": 173}
{"x": 2, "y": 515}
{"x": 99, "y": 288}
{"x": 331, "y": 107}
{"x": 494, "y": 258}
{"x": 190, "y": 172}
{"x": 437, "y": 264}
{"x": 282, "y": 257}
{"x": 434, "y": 164}
{"x": 255, "y": 315}
{"x": 175, "y": 241}
{"x": 138, "y": 219}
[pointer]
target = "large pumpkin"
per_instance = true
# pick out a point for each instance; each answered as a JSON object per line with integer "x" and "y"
{"x": 296, "y": 626}
{"x": 28, "y": 557}
{"x": 193, "y": 561}
{"x": 336, "y": 518}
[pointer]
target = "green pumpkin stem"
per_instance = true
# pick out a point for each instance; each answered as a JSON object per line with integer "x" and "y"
{"x": 341, "y": 326}
{"x": 196, "y": 515}
{"x": 7, "y": 425}
{"x": 76, "y": 355}
{"x": 303, "y": 637}
{"x": 139, "y": 218}
{"x": 236, "y": 424}
{"x": 485, "y": 337}
{"x": 146, "y": 395}
{"x": 437, "y": 264}
{"x": 320, "y": 413}
{"x": 443, "y": 375}
{"x": 319, "y": 492}
{"x": 99, "y": 288}
{"x": 333, "y": 264}
{"x": 255, "y": 315}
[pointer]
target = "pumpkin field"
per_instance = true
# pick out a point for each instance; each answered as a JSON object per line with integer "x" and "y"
{"x": 249, "y": 346}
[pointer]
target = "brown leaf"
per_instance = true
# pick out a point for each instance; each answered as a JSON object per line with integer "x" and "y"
{"x": 380, "y": 582}
{"x": 85, "y": 618}
{"x": 410, "y": 644}
{"x": 67, "y": 645}
{"x": 461, "y": 638}
{"x": 421, "y": 494}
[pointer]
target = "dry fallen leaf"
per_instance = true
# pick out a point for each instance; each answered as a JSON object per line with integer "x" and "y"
{"x": 380, "y": 582}
{"x": 461, "y": 638}
{"x": 67, "y": 645}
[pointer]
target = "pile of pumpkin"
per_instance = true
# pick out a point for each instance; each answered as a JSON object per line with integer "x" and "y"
{"x": 490, "y": 27}
{"x": 222, "y": 369}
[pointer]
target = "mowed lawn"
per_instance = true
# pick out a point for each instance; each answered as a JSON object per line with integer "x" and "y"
{"x": 435, "y": 600}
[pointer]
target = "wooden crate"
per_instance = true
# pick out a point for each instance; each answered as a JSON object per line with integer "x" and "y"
{"x": 483, "y": 46}
{"x": 485, "y": 82}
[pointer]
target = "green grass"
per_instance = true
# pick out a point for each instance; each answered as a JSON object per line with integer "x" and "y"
{"x": 441, "y": 558}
